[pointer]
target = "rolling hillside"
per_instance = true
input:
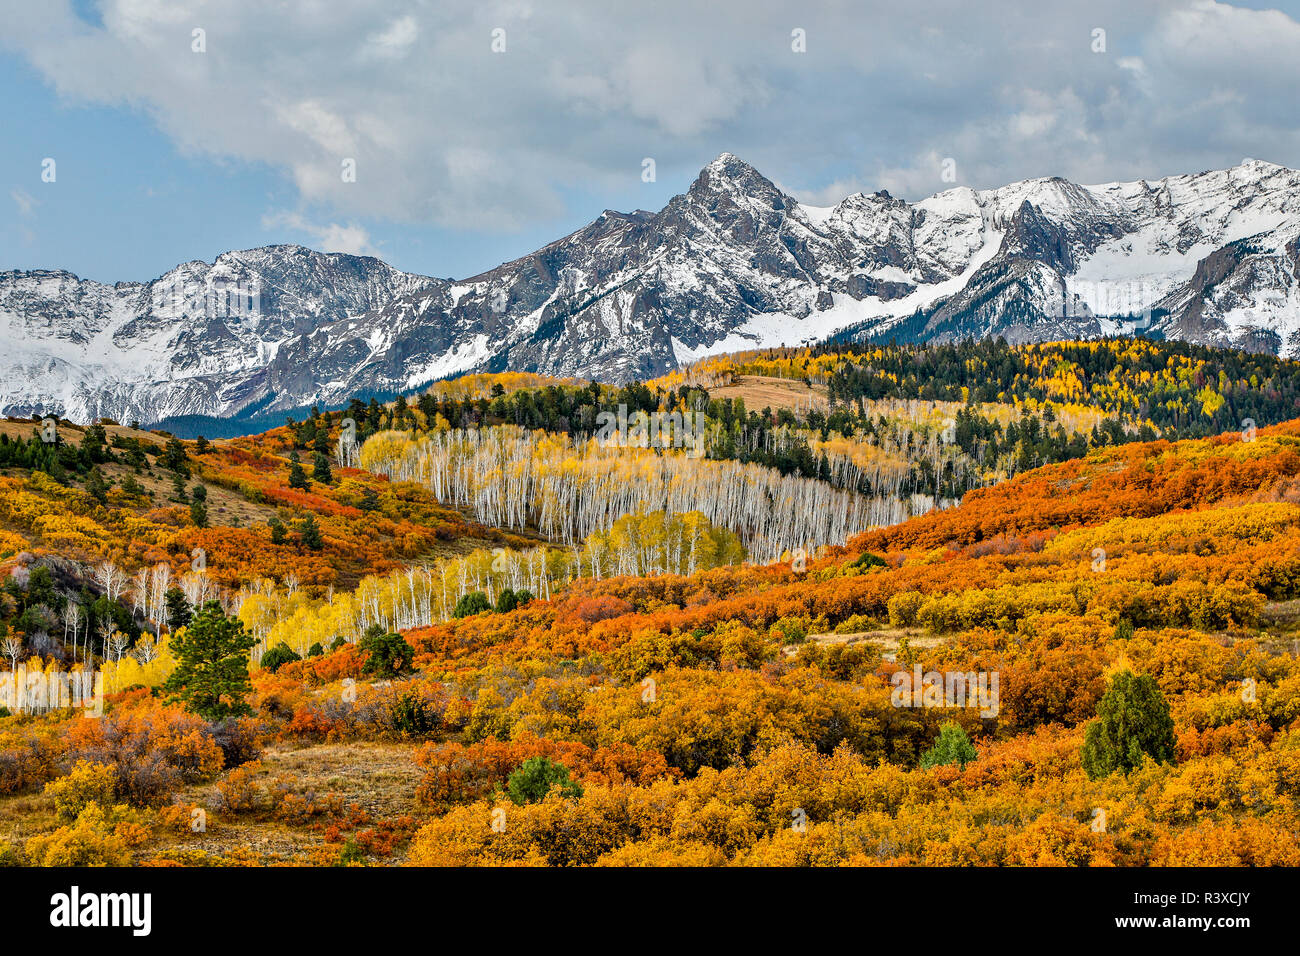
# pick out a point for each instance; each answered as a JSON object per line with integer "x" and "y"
{"x": 428, "y": 687}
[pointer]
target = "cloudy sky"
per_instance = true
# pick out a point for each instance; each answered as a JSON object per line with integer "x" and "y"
{"x": 479, "y": 130}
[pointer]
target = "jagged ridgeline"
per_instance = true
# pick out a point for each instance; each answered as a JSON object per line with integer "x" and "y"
{"x": 631, "y": 295}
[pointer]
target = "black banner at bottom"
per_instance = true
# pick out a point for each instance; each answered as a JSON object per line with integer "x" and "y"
{"x": 146, "y": 907}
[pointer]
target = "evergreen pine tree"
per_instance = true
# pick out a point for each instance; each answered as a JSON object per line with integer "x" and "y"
{"x": 211, "y": 676}
{"x": 96, "y": 486}
{"x": 310, "y": 532}
{"x": 953, "y": 746}
{"x": 179, "y": 611}
{"x": 297, "y": 477}
{"x": 321, "y": 469}
{"x": 1133, "y": 722}
{"x": 174, "y": 459}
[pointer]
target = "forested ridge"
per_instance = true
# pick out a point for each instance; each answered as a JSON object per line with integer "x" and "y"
{"x": 993, "y": 409}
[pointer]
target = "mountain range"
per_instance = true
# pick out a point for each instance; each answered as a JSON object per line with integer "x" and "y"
{"x": 733, "y": 263}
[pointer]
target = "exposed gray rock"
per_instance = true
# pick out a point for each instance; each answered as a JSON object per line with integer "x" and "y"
{"x": 732, "y": 263}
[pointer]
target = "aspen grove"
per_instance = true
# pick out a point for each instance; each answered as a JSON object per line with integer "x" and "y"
{"x": 511, "y": 478}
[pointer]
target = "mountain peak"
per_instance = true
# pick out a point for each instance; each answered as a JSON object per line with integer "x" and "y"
{"x": 1259, "y": 169}
{"x": 726, "y": 159}
{"x": 734, "y": 262}
{"x": 732, "y": 176}
{"x": 730, "y": 167}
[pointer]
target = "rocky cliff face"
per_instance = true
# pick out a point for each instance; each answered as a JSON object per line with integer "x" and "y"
{"x": 733, "y": 263}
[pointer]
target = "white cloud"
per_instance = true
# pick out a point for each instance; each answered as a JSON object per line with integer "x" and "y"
{"x": 831, "y": 193}
{"x": 395, "y": 41}
{"x": 446, "y": 132}
{"x": 329, "y": 237}
{"x": 25, "y": 202}
{"x": 351, "y": 238}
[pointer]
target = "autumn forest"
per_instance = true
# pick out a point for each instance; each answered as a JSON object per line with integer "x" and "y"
{"x": 976, "y": 604}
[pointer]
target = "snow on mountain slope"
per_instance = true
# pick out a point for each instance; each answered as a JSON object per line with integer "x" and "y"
{"x": 1079, "y": 261}
{"x": 195, "y": 341}
{"x": 732, "y": 263}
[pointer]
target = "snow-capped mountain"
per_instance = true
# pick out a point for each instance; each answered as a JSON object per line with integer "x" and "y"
{"x": 201, "y": 339}
{"x": 1209, "y": 258}
{"x": 733, "y": 263}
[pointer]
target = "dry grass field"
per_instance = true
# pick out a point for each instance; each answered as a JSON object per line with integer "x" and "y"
{"x": 762, "y": 391}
